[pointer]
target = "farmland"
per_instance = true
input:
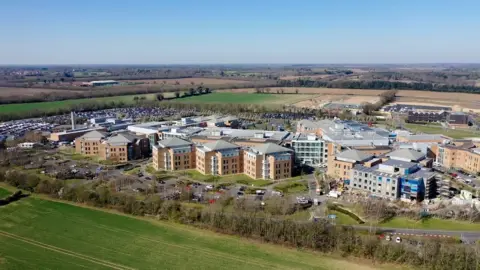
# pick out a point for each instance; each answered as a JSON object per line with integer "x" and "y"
{"x": 39, "y": 234}
{"x": 186, "y": 81}
{"x": 55, "y": 105}
{"x": 7, "y": 92}
{"x": 245, "y": 98}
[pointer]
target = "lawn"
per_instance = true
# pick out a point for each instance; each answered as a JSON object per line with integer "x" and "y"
{"x": 55, "y": 105}
{"x": 235, "y": 178}
{"x": 42, "y": 234}
{"x": 292, "y": 187}
{"x": 4, "y": 193}
{"x": 342, "y": 219}
{"x": 437, "y": 129}
{"x": 431, "y": 224}
{"x": 245, "y": 98}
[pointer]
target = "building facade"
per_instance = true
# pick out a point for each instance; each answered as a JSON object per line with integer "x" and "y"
{"x": 121, "y": 147}
{"x": 465, "y": 157}
{"x": 90, "y": 143}
{"x": 341, "y": 164}
{"x": 173, "y": 154}
{"x": 268, "y": 161}
{"x": 310, "y": 150}
{"x": 394, "y": 179}
{"x": 219, "y": 158}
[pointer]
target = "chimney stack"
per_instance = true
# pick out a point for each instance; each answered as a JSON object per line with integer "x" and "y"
{"x": 73, "y": 119}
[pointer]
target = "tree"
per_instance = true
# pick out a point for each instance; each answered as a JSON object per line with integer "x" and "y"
{"x": 191, "y": 91}
{"x": 296, "y": 91}
{"x": 160, "y": 97}
{"x": 177, "y": 94}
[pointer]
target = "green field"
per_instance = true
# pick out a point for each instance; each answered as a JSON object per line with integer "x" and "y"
{"x": 437, "y": 129}
{"x": 41, "y": 234}
{"x": 55, "y": 105}
{"x": 4, "y": 193}
{"x": 431, "y": 224}
{"x": 245, "y": 98}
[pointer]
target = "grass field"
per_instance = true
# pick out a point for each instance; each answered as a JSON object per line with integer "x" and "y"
{"x": 54, "y": 105}
{"x": 245, "y": 98}
{"x": 235, "y": 178}
{"x": 4, "y": 193}
{"x": 342, "y": 218}
{"x": 437, "y": 129}
{"x": 431, "y": 224}
{"x": 41, "y": 234}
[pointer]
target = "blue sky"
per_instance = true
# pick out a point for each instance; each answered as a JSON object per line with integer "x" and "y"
{"x": 261, "y": 31}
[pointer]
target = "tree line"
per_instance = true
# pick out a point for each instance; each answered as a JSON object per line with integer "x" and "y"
{"x": 65, "y": 93}
{"x": 318, "y": 236}
{"x": 380, "y": 85}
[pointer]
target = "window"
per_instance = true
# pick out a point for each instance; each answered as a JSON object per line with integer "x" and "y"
{"x": 393, "y": 188}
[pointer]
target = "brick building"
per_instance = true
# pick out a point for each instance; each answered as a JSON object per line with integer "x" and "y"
{"x": 173, "y": 154}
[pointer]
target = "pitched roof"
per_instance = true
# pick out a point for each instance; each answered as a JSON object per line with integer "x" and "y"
{"x": 354, "y": 155}
{"x": 220, "y": 145}
{"x": 121, "y": 139}
{"x": 409, "y": 154}
{"x": 94, "y": 135}
{"x": 270, "y": 148}
{"x": 173, "y": 142}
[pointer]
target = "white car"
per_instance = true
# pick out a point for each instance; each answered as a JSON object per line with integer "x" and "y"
{"x": 398, "y": 240}
{"x": 209, "y": 187}
{"x": 260, "y": 192}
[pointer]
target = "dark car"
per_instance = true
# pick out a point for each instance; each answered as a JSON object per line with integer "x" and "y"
{"x": 243, "y": 188}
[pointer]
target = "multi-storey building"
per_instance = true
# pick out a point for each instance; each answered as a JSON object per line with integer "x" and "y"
{"x": 90, "y": 143}
{"x": 123, "y": 147}
{"x": 309, "y": 149}
{"x": 173, "y": 154}
{"x": 120, "y": 147}
{"x": 219, "y": 158}
{"x": 465, "y": 157}
{"x": 340, "y": 165}
{"x": 268, "y": 161}
{"x": 394, "y": 179}
{"x": 424, "y": 117}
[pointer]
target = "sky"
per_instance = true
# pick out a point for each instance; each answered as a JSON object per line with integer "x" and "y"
{"x": 222, "y": 32}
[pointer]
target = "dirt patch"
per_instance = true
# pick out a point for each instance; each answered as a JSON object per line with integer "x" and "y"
{"x": 187, "y": 81}
{"x": 322, "y": 100}
{"x": 459, "y": 101}
{"x": 13, "y": 91}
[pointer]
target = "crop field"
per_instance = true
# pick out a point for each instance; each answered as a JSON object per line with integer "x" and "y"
{"x": 313, "y": 90}
{"x": 42, "y": 234}
{"x": 187, "y": 81}
{"x": 54, "y": 105}
{"x": 245, "y": 98}
{"x": 12, "y": 91}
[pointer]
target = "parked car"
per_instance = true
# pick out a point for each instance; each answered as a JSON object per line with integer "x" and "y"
{"x": 260, "y": 192}
{"x": 398, "y": 240}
